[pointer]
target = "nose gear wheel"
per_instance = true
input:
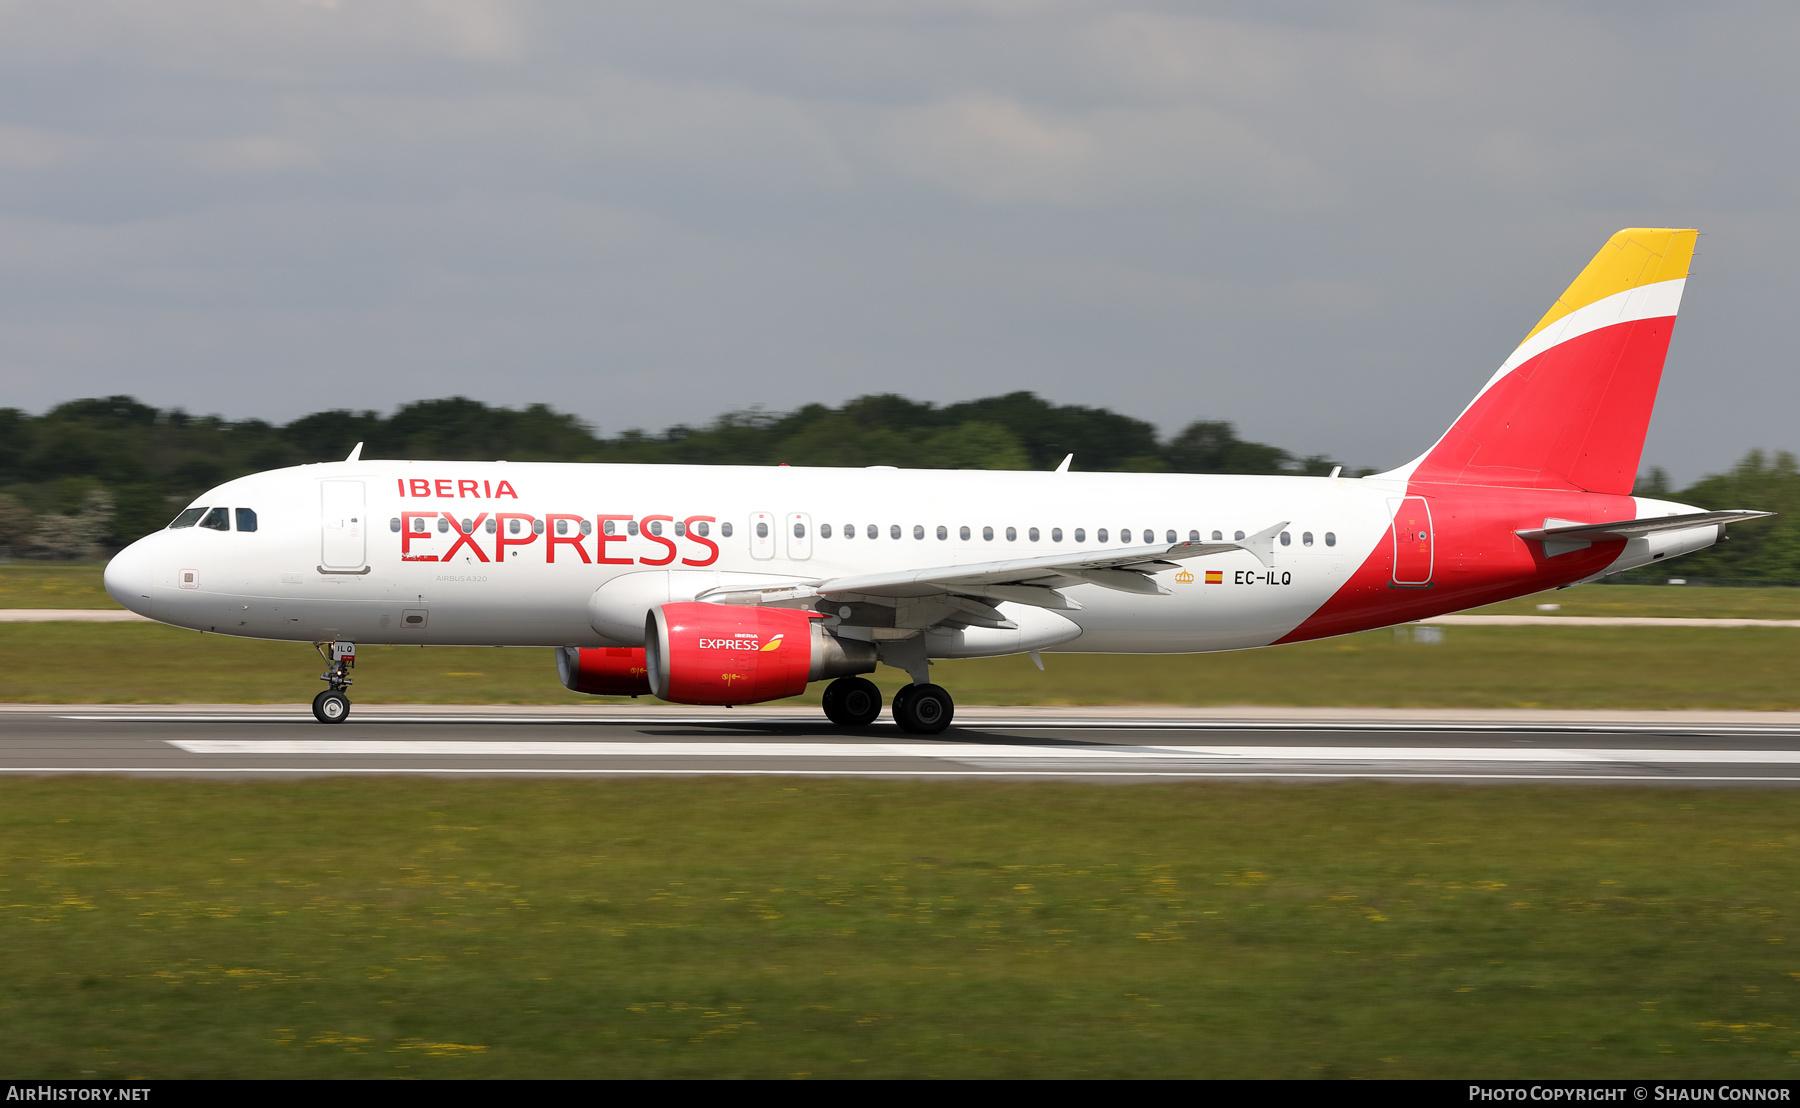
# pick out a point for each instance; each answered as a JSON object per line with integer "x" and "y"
{"x": 331, "y": 706}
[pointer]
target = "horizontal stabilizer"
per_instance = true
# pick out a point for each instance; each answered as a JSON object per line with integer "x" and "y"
{"x": 1631, "y": 528}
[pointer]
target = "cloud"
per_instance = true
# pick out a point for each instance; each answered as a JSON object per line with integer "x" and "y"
{"x": 29, "y": 148}
{"x": 650, "y": 212}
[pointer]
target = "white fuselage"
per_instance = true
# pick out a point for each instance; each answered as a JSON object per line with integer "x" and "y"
{"x": 305, "y": 575}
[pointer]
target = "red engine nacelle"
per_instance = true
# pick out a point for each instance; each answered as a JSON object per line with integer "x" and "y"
{"x": 700, "y": 653}
{"x": 604, "y": 671}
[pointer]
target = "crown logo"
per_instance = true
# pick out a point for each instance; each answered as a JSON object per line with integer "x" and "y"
{"x": 1184, "y": 578}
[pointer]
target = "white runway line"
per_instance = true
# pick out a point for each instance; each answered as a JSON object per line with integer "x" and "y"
{"x": 1246, "y": 775}
{"x": 1604, "y": 621}
{"x": 71, "y": 615}
{"x": 983, "y": 752}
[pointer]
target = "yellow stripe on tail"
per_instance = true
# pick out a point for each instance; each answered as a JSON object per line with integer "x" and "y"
{"x": 1634, "y": 257}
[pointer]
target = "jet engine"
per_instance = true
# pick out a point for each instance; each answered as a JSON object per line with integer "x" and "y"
{"x": 699, "y": 653}
{"x": 604, "y": 670}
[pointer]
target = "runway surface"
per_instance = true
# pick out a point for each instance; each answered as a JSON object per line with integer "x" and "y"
{"x": 1120, "y": 745}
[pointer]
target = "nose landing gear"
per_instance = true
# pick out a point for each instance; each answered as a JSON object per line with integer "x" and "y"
{"x": 332, "y": 705}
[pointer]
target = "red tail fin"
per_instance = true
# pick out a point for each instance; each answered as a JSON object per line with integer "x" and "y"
{"x": 1570, "y": 408}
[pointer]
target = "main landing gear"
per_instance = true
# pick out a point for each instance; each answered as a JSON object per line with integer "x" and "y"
{"x": 332, "y": 705}
{"x": 921, "y": 709}
{"x": 852, "y": 702}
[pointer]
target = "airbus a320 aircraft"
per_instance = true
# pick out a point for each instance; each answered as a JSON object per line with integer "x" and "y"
{"x": 732, "y": 585}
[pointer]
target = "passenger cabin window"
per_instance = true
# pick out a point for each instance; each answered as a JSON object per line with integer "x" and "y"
{"x": 1193, "y": 536}
{"x": 1218, "y": 536}
{"x": 762, "y": 530}
{"x": 963, "y": 533}
{"x": 537, "y": 527}
{"x": 394, "y": 525}
{"x": 680, "y": 529}
{"x": 1330, "y": 538}
{"x": 1100, "y": 535}
{"x": 443, "y": 526}
{"x": 893, "y": 530}
{"x": 187, "y": 518}
{"x": 562, "y": 526}
{"x": 1080, "y": 534}
{"x": 824, "y": 530}
{"x": 1032, "y": 534}
{"x": 987, "y": 534}
{"x": 246, "y": 519}
{"x": 1306, "y": 538}
{"x": 799, "y": 530}
{"x": 512, "y": 525}
{"x": 1286, "y": 539}
{"x": 605, "y": 528}
{"x": 1056, "y": 534}
{"x": 1171, "y": 536}
{"x": 849, "y": 530}
{"x": 1237, "y": 536}
{"x": 1012, "y": 534}
{"x": 492, "y": 527}
{"x": 943, "y": 532}
{"x": 873, "y": 531}
{"x": 918, "y": 530}
{"x": 219, "y": 519}
{"x": 725, "y": 530}
{"x": 631, "y": 528}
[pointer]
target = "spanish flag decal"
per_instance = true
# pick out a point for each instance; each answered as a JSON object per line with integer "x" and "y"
{"x": 1215, "y": 577}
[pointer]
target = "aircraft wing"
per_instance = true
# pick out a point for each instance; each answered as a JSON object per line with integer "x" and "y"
{"x": 1031, "y": 581}
{"x": 1560, "y": 530}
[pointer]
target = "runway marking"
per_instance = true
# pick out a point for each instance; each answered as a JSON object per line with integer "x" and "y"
{"x": 1625, "y": 727}
{"x": 977, "y": 752}
{"x": 183, "y": 771}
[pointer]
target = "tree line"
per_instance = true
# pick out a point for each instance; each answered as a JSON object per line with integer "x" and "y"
{"x": 91, "y": 475}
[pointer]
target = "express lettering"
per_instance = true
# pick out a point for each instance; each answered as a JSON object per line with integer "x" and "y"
{"x": 562, "y": 529}
{"x": 730, "y": 644}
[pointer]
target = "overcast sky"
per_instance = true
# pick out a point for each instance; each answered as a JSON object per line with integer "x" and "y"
{"x": 1328, "y": 223}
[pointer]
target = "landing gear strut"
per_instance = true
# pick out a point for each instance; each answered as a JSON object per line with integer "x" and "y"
{"x": 923, "y": 709}
{"x": 332, "y": 706}
{"x": 852, "y": 702}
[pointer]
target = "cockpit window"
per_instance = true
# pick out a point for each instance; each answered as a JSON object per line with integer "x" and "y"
{"x": 187, "y": 518}
{"x": 219, "y": 519}
{"x": 246, "y": 519}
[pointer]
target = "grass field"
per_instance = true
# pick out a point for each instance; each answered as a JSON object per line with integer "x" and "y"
{"x": 52, "y": 585}
{"x": 1501, "y": 667}
{"x": 386, "y": 928}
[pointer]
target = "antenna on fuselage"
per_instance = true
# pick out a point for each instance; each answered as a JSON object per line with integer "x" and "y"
{"x": 1064, "y": 467}
{"x": 355, "y": 454}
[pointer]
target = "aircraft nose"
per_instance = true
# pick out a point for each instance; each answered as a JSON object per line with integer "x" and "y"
{"x": 130, "y": 575}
